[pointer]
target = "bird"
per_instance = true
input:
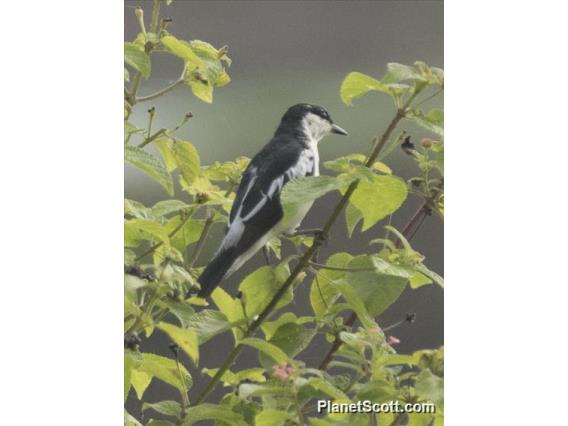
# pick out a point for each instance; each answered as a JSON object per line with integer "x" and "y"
{"x": 257, "y": 215}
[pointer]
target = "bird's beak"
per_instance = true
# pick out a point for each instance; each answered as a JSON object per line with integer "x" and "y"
{"x": 338, "y": 130}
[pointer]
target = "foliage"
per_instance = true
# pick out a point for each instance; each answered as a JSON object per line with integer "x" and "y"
{"x": 163, "y": 243}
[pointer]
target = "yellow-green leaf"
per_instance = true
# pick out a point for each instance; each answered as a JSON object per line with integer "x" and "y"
{"x": 357, "y": 84}
{"x": 185, "y": 338}
{"x": 271, "y": 417}
{"x": 150, "y": 165}
{"x": 137, "y": 58}
{"x": 273, "y": 351}
{"x": 202, "y": 89}
{"x": 166, "y": 370}
{"x": 379, "y": 198}
{"x": 187, "y": 159}
{"x": 182, "y": 49}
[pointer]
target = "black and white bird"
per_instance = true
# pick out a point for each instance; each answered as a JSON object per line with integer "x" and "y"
{"x": 257, "y": 215}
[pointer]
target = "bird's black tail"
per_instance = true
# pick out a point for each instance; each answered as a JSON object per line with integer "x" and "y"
{"x": 215, "y": 271}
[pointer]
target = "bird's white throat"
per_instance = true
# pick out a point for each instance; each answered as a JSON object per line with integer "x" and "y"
{"x": 315, "y": 127}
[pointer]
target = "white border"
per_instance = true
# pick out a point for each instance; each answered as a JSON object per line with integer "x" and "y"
{"x": 61, "y": 177}
{"x": 505, "y": 246}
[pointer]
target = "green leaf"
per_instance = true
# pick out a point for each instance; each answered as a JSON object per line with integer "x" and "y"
{"x": 352, "y": 217}
{"x": 430, "y": 274}
{"x": 202, "y": 89}
{"x": 182, "y": 49}
{"x": 304, "y": 190}
{"x": 356, "y": 303}
{"x": 181, "y": 310}
{"x": 185, "y": 338}
{"x": 275, "y": 246}
{"x": 136, "y": 209}
{"x": 418, "y": 280}
{"x": 377, "y": 391}
{"x": 140, "y": 229}
{"x": 160, "y": 423}
{"x": 272, "y": 389}
{"x": 138, "y": 379}
{"x": 130, "y": 420}
{"x": 132, "y": 129}
{"x": 357, "y": 84}
{"x": 379, "y": 198}
{"x": 213, "y": 412}
{"x": 166, "y": 370}
{"x": 273, "y": 351}
{"x": 378, "y": 288}
{"x": 229, "y": 306}
{"x": 232, "y": 379}
{"x": 271, "y": 417}
{"x": 187, "y": 235}
{"x": 328, "y": 388}
{"x": 166, "y": 151}
{"x": 140, "y": 382}
{"x": 150, "y": 165}
{"x": 345, "y": 164}
{"x": 187, "y": 159}
{"x": 128, "y": 365}
{"x": 322, "y": 293}
{"x": 137, "y": 58}
{"x": 208, "y": 323}
{"x": 166, "y": 207}
{"x": 205, "y": 50}
{"x": 270, "y": 327}
{"x": 429, "y": 387}
{"x": 400, "y": 72}
{"x": 433, "y": 120}
{"x": 260, "y": 287}
{"x": 292, "y": 338}
{"x": 167, "y": 408}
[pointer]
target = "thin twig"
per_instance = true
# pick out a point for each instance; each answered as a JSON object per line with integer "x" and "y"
{"x": 152, "y": 138}
{"x": 160, "y": 92}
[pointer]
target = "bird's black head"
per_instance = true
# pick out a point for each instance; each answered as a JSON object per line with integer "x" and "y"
{"x": 312, "y": 120}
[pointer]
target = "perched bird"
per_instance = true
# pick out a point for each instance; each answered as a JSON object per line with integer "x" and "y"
{"x": 257, "y": 215}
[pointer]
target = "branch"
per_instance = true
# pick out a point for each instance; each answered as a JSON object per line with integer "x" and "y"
{"x": 304, "y": 261}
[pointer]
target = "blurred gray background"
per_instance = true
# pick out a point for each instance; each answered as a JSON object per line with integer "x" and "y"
{"x": 286, "y": 52}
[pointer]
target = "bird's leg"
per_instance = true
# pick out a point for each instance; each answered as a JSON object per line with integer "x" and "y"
{"x": 266, "y": 253}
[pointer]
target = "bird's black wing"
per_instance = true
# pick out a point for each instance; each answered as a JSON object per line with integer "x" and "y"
{"x": 257, "y": 207}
